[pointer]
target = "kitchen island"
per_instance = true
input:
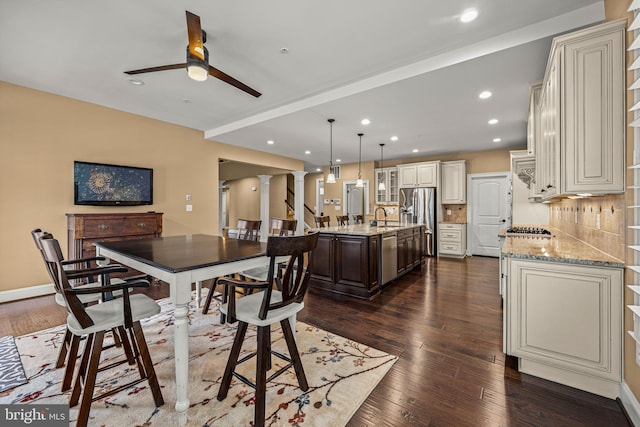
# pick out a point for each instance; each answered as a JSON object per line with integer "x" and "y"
{"x": 358, "y": 260}
{"x": 563, "y": 310}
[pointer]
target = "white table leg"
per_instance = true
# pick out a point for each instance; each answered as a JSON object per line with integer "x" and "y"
{"x": 181, "y": 349}
{"x": 198, "y": 294}
{"x": 180, "y": 297}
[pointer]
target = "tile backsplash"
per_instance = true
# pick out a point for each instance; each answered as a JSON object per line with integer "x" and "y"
{"x": 458, "y": 214}
{"x": 598, "y": 221}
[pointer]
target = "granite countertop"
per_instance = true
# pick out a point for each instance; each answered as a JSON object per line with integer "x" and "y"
{"x": 364, "y": 229}
{"x": 559, "y": 248}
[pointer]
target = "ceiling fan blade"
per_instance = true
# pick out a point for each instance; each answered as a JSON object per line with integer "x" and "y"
{"x": 195, "y": 35}
{"x": 160, "y": 68}
{"x": 214, "y": 72}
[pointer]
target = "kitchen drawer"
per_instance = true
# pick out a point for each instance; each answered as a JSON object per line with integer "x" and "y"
{"x": 451, "y": 235}
{"x": 451, "y": 248}
{"x": 138, "y": 226}
{"x": 449, "y": 226}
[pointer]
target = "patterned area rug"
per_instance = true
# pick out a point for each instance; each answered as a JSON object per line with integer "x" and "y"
{"x": 341, "y": 374}
{"x": 11, "y": 370}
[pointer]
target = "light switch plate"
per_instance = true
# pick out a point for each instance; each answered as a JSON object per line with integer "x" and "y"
{"x": 189, "y": 208}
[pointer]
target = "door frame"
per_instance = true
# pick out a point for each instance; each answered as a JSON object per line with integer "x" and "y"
{"x": 470, "y": 178}
{"x": 365, "y": 191}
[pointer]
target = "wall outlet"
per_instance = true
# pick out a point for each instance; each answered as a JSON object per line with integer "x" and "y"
{"x": 597, "y": 221}
{"x": 448, "y": 211}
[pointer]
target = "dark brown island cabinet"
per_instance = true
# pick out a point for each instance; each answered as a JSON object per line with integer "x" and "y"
{"x": 349, "y": 259}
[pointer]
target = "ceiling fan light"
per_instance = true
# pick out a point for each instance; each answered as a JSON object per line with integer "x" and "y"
{"x": 197, "y": 72}
{"x": 331, "y": 179}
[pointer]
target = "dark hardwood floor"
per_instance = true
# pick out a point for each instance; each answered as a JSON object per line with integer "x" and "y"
{"x": 444, "y": 322}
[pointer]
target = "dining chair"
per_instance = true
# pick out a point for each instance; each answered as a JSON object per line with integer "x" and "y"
{"x": 358, "y": 219}
{"x": 69, "y": 348}
{"x": 322, "y": 220}
{"x": 279, "y": 298}
{"x": 93, "y": 322}
{"x": 278, "y": 227}
{"x": 343, "y": 219}
{"x": 282, "y": 227}
{"x": 247, "y": 230}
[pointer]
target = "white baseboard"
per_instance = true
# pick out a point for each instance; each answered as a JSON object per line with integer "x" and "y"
{"x": 630, "y": 403}
{"x": 30, "y": 292}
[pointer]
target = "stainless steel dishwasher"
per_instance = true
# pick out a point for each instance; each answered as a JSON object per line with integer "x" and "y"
{"x": 389, "y": 257}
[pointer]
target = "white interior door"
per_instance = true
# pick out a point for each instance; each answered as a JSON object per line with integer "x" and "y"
{"x": 487, "y": 212}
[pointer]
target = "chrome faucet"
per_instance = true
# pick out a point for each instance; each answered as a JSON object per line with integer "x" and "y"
{"x": 375, "y": 215}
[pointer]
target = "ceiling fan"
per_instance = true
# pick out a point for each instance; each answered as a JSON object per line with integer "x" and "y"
{"x": 197, "y": 64}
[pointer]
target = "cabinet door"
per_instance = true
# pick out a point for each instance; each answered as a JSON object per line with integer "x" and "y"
{"x": 593, "y": 155}
{"x": 453, "y": 183}
{"x": 427, "y": 175}
{"x": 392, "y": 185}
{"x": 408, "y": 176}
{"x": 352, "y": 260}
{"x": 381, "y": 195}
{"x": 565, "y": 315}
{"x": 323, "y": 258}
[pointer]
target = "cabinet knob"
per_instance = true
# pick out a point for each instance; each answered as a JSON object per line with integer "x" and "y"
{"x": 103, "y": 227}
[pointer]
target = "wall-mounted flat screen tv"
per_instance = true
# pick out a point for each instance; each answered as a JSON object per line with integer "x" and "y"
{"x": 99, "y": 184}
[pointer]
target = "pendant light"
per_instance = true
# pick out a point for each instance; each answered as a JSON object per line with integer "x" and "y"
{"x": 331, "y": 178}
{"x": 360, "y": 182}
{"x": 381, "y": 186}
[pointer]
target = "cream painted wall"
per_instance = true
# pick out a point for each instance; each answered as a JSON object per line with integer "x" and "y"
{"x": 42, "y": 134}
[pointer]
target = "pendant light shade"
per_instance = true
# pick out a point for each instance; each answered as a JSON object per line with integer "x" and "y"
{"x": 331, "y": 178}
{"x": 381, "y": 186}
{"x": 360, "y": 182}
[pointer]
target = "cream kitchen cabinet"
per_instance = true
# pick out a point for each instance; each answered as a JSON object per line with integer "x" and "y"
{"x": 423, "y": 174}
{"x": 452, "y": 240}
{"x": 454, "y": 182}
{"x": 564, "y": 322}
{"x": 582, "y": 115}
{"x": 390, "y": 193}
{"x": 533, "y": 121}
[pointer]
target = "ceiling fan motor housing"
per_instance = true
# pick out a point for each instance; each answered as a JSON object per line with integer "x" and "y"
{"x": 197, "y": 68}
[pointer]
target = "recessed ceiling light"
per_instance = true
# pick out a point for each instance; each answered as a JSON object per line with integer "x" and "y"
{"x": 415, "y": 150}
{"x": 318, "y": 169}
{"x": 485, "y": 94}
{"x": 270, "y": 142}
{"x": 307, "y": 152}
{"x": 469, "y": 15}
{"x": 338, "y": 160}
{"x": 365, "y": 121}
{"x": 135, "y": 82}
{"x": 497, "y": 139}
{"x": 493, "y": 121}
{"x": 394, "y": 138}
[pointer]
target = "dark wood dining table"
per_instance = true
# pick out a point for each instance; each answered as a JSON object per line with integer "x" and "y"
{"x": 181, "y": 261}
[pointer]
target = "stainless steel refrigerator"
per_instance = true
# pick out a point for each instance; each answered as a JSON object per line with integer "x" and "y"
{"x": 418, "y": 206}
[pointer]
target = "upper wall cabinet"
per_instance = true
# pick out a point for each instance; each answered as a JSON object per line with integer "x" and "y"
{"x": 581, "y": 144}
{"x": 454, "y": 182}
{"x": 390, "y": 193}
{"x": 423, "y": 174}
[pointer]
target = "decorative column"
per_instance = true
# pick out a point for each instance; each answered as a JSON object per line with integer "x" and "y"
{"x": 264, "y": 206}
{"x": 221, "y": 208}
{"x": 299, "y": 200}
